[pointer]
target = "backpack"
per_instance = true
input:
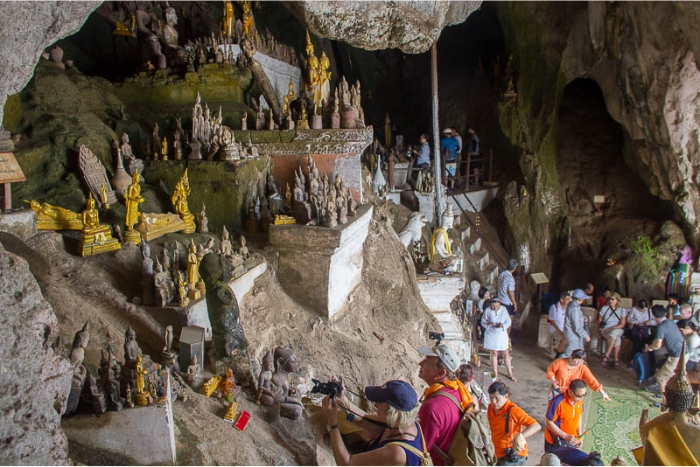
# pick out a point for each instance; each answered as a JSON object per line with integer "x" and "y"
{"x": 472, "y": 443}
{"x": 425, "y": 459}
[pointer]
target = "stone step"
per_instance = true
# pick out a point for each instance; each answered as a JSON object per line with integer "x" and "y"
{"x": 481, "y": 260}
{"x": 472, "y": 245}
{"x": 490, "y": 273}
{"x": 465, "y": 231}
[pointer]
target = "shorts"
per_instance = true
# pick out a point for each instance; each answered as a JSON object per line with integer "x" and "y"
{"x": 451, "y": 168}
{"x": 615, "y": 334}
{"x": 510, "y": 308}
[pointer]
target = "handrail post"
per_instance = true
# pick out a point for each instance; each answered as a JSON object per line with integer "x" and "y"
{"x": 436, "y": 132}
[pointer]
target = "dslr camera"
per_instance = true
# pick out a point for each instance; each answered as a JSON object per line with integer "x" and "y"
{"x": 436, "y": 336}
{"x": 331, "y": 388}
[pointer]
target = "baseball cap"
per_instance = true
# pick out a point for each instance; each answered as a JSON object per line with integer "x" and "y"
{"x": 447, "y": 130}
{"x": 446, "y": 355}
{"x": 580, "y": 295}
{"x": 398, "y": 394}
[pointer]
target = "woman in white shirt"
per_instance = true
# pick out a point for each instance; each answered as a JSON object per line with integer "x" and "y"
{"x": 496, "y": 322}
{"x": 612, "y": 319}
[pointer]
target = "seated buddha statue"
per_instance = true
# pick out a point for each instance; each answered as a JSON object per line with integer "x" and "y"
{"x": 97, "y": 238}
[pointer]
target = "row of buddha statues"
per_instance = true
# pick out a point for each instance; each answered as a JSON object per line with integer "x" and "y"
{"x": 137, "y": 382}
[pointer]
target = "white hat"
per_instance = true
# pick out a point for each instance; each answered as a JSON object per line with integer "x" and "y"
{"x": 445, "y": 354}
{"x": 447, "y": 130}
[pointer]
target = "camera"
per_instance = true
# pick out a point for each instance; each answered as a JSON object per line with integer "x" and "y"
{"x": 331, "y": 388}
{"x": 511, "y": 457}
{"x": 603, "y": 324}
{"x": 436, "y": 336}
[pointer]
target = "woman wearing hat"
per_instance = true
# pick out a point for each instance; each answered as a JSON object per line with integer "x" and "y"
{"x": 575, "y": 329}
{"x": 496, "y": 322}
{"x": 612, "y": 320}
{"x": 397, "y": 437}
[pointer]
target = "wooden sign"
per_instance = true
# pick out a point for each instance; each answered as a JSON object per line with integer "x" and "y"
{"x": 539, "y": 278}
{"x": 626, "y": 302}
{"x": 10, "y": 170}
{"x": 598, "y": 199}
{"x": 659, "y": 302}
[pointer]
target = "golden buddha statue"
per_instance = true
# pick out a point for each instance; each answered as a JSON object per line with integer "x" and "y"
{"x": 325, "y": 77}
{"x": 164, "y": 148}
{"x": 211, "y": 385}
{"x": 229, "y": 21}
{"x": 103, "y": 197}
{"x": 97, "y": 238}
{"x": 193, "y": 272}
{"x": 303, "y": 122}
{"x": 50, "y": 217}
{"x": 179, "y": 199}
{"x": 182, "y": 290}
{"x": 248, "y": 23}
{"x": 141, "y": 393}
{"x": 230, "y": 415}
{"x": 132, "y": 198}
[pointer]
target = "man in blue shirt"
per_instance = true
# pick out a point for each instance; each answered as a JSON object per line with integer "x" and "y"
{"x": 449, "y": 147}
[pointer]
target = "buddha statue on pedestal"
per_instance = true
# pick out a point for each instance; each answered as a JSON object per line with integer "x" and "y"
{"x": 97, "y": 238}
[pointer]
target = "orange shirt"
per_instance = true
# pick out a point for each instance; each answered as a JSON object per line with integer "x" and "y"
{"x": 497, "y": 422}
{"x": 560, "y": 370}
{"x": 565, "y": 414}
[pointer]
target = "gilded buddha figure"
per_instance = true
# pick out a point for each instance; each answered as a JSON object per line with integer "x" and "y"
{"x": 97, "y": 238}
{"x": 132, "y": 198}
{"x": 50, "y": 217}
{"x": 179, "y": 199}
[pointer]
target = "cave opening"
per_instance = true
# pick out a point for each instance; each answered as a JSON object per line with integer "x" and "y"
{"x": 591, "y": 162}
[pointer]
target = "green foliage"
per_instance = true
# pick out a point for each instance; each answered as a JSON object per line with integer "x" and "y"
{"x": 648, "y": 254}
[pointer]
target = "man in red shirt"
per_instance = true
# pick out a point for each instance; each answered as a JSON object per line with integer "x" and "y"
{"x": 564, "y": 426}
{"x": 510, "y": 426}
{"x": 444, "y": 400}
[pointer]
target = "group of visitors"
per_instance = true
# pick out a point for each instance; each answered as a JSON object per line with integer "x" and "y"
{"x": 661, "y": 330}
{"x": 451, "y": 148}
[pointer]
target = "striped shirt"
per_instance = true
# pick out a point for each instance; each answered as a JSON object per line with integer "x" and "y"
{"x": 506, "y": 283}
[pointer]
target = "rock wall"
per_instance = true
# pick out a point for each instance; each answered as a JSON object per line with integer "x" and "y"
{"x": 411, "y": 26}
{"x": 642, "y": 55}
{"x": 29, "y": 27}
{"x": 34, "y": 378}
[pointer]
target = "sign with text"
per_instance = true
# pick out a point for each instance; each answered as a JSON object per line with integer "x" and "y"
{"x": 539, "y": 278}
{"x": 10, "y": 170}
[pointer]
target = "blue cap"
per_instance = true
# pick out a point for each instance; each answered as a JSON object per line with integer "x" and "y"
{"x": 580, "y": 295}
{"x": 398, "y": 394}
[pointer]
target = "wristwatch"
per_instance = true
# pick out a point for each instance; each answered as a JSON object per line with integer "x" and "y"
{"x": 350, "y": 417}
{"x": 331, "y": 427}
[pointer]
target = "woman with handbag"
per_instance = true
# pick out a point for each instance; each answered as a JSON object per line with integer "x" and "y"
{"x": 510, "y": 426}
{"x": 612, "y": 320}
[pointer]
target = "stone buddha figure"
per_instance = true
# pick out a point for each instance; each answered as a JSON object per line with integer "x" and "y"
{"x": 278, "y": 388}
{"x": 132, "y": 163}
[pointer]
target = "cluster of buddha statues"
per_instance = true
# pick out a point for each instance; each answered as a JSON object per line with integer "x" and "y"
{"x": 320, "y": 201}
{"x": 136, "y": 382}
{"x": 215, "y": 141}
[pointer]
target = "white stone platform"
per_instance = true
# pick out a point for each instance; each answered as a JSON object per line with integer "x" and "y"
{"x": 319, "y": 267}
{"x": 21, "y": 223}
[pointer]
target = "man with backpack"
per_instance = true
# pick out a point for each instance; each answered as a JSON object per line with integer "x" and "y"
{"x": 444, "y": 401}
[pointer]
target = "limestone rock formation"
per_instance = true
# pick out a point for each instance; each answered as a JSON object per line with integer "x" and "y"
{"x": 30, "y": 27}
{"x": 411, "y": 26}
{"x": 35, "y": 379}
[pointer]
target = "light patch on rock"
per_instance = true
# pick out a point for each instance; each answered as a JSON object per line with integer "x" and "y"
{"x": 524, "y": 255}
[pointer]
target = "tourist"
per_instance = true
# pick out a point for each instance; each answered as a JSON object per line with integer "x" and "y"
{"x": 589, "y": 289}
{"x": 440, "y": 416}
{"x": 496, "y": 322}
{"x": 563, "y": 421}
{"x": 506, "y": 287}
{"x": 575, "y": 331}
{"x": 692, "y": 343}
{"x": 449, "y": 148}
{"x": 673, "y": 308}
{"x": 484, "y": 295}
{"x": 612, "y": 320}
{"x": 474, "y": 151}
{"x": 397, "y": 407}
{"x": 668, "y": 337}
{"x": 465, "y": 373}
{"x": 602, "y": 300}
{"x": 549, "y": 459}
{"x": 685, "y": 311}
{"x": 557, "y": 313}
{"x": 640, "y": 324}
{"x": 564, "y": 370}
{"x": 423, "y": 160}
{"x": 510, "y": 426}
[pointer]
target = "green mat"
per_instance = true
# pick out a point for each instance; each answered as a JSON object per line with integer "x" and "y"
{"x": 614, "y": 426}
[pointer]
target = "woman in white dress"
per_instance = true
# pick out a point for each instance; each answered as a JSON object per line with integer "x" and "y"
{"x": 496, "y": 322}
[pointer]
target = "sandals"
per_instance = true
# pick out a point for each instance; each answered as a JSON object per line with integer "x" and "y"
{"x": 604, "y": 362}
{"x": 512, "y": 378}
{"x": 617, "y": 364}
